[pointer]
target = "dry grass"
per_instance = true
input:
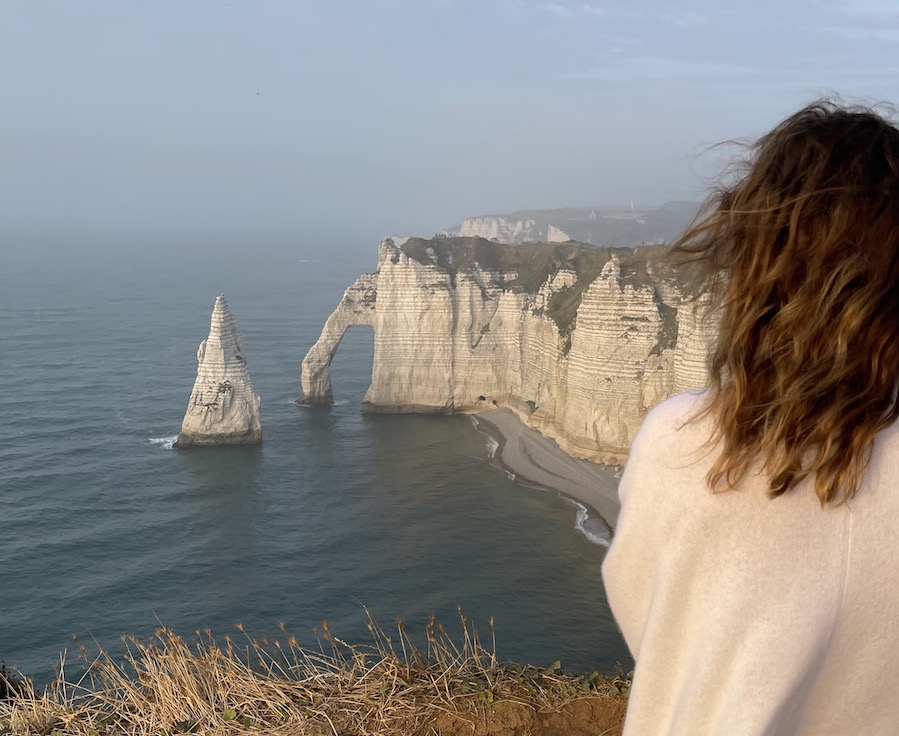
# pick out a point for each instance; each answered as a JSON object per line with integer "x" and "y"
{"x": 169, "y": 685}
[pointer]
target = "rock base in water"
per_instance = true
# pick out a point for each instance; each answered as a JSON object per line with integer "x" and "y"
{"x": 186, "y": 440}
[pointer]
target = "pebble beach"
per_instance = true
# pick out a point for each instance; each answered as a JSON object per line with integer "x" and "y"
{"x": 537, "y": 461}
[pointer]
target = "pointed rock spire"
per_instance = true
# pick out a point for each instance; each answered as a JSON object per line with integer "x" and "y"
{"x": 223, "y": 408}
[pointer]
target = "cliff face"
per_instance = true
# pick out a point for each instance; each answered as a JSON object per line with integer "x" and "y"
{"x": 556, "y": 235}
{"x": 502, "y": 228}
{"x": 579, "y": 341}
{"x": 223, "y": 407}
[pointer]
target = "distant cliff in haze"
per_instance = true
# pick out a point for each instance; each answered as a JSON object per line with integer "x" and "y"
{"x": 621, "y": 227}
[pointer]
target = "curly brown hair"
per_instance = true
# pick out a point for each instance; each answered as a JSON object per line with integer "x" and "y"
{"x": 800, "y": 259}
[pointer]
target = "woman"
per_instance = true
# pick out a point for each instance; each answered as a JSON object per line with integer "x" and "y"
{"x": 755, "y": 567}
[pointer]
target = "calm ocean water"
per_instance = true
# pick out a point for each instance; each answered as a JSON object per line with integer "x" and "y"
{"x": 106, "y": 531}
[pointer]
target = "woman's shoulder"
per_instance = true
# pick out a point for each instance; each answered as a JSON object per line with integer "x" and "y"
{"x": 676, "y": 419}
{"x": 684, "y": 404}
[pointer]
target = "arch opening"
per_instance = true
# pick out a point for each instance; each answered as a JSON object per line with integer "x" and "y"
{"x": 351, "y": 365}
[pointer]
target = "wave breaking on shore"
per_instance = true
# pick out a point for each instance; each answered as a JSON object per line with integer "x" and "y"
{"x": 531, "y": 459}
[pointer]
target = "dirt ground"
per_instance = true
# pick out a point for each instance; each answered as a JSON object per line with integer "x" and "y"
{"x": 594, "y": 716}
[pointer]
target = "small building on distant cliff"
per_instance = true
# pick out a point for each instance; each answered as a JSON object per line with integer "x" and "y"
{"x": 223, "y": 407}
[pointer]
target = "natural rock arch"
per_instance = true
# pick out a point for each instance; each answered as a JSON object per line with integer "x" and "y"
{"x": 579, "y": 341}
{"x": 357, "y": 307}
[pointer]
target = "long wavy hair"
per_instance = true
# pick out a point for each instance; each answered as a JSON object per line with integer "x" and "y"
{"x": 800, "y": 260}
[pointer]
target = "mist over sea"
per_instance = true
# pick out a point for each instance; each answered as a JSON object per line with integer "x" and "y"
{"x": 105, "y": 530}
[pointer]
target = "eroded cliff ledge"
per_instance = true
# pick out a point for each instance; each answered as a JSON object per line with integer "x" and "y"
{"x": 579, "y": 341}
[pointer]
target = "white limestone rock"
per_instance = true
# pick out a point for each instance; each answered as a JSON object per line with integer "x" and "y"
{"x": 459, "y": 338}
{"x": 500, "y": 228}
{"x": 223, "y": 408}
{"x": 357, "y": 307}
{"x": 556, "y": 235}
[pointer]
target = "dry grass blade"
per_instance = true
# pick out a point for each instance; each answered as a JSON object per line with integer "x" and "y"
{"x": 169, "y": 685}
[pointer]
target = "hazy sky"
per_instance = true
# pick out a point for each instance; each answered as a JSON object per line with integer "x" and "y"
{"x": 288, "y": 119}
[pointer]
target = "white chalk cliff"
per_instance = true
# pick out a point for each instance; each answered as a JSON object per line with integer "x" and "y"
{"x": 505, "y": 229}
{"x": 223, "y": 408}
{"x": 556, "y": 235}
{"x": 579, "y": 341}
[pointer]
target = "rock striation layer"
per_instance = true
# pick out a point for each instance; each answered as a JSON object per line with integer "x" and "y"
{"x": 579, "y": 341}
{"x": 223, "y": 408}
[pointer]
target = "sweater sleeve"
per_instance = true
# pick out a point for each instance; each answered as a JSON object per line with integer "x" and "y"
{"x": 633, "y": 563}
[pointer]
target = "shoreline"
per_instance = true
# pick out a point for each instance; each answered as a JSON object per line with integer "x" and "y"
{"x": 533, "y": 460}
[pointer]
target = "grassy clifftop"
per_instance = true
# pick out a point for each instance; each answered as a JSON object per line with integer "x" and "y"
{"x": 393, "y": 686}
{"x": 529, "y": 265}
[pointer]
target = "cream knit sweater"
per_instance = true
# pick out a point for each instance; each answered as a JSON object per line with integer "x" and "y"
{"x": 749, "y": 615}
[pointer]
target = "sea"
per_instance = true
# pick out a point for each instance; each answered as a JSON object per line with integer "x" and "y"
{"x": 106, "y": 531}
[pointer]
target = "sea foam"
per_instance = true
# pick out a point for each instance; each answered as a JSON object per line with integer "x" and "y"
{"x": 593, "y": 529}
{"x": 167, "y": 442}
{"x": 492, "y": 447}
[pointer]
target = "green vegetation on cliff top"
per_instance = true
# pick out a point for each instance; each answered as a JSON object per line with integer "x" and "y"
{"x": 529, "y": 265}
